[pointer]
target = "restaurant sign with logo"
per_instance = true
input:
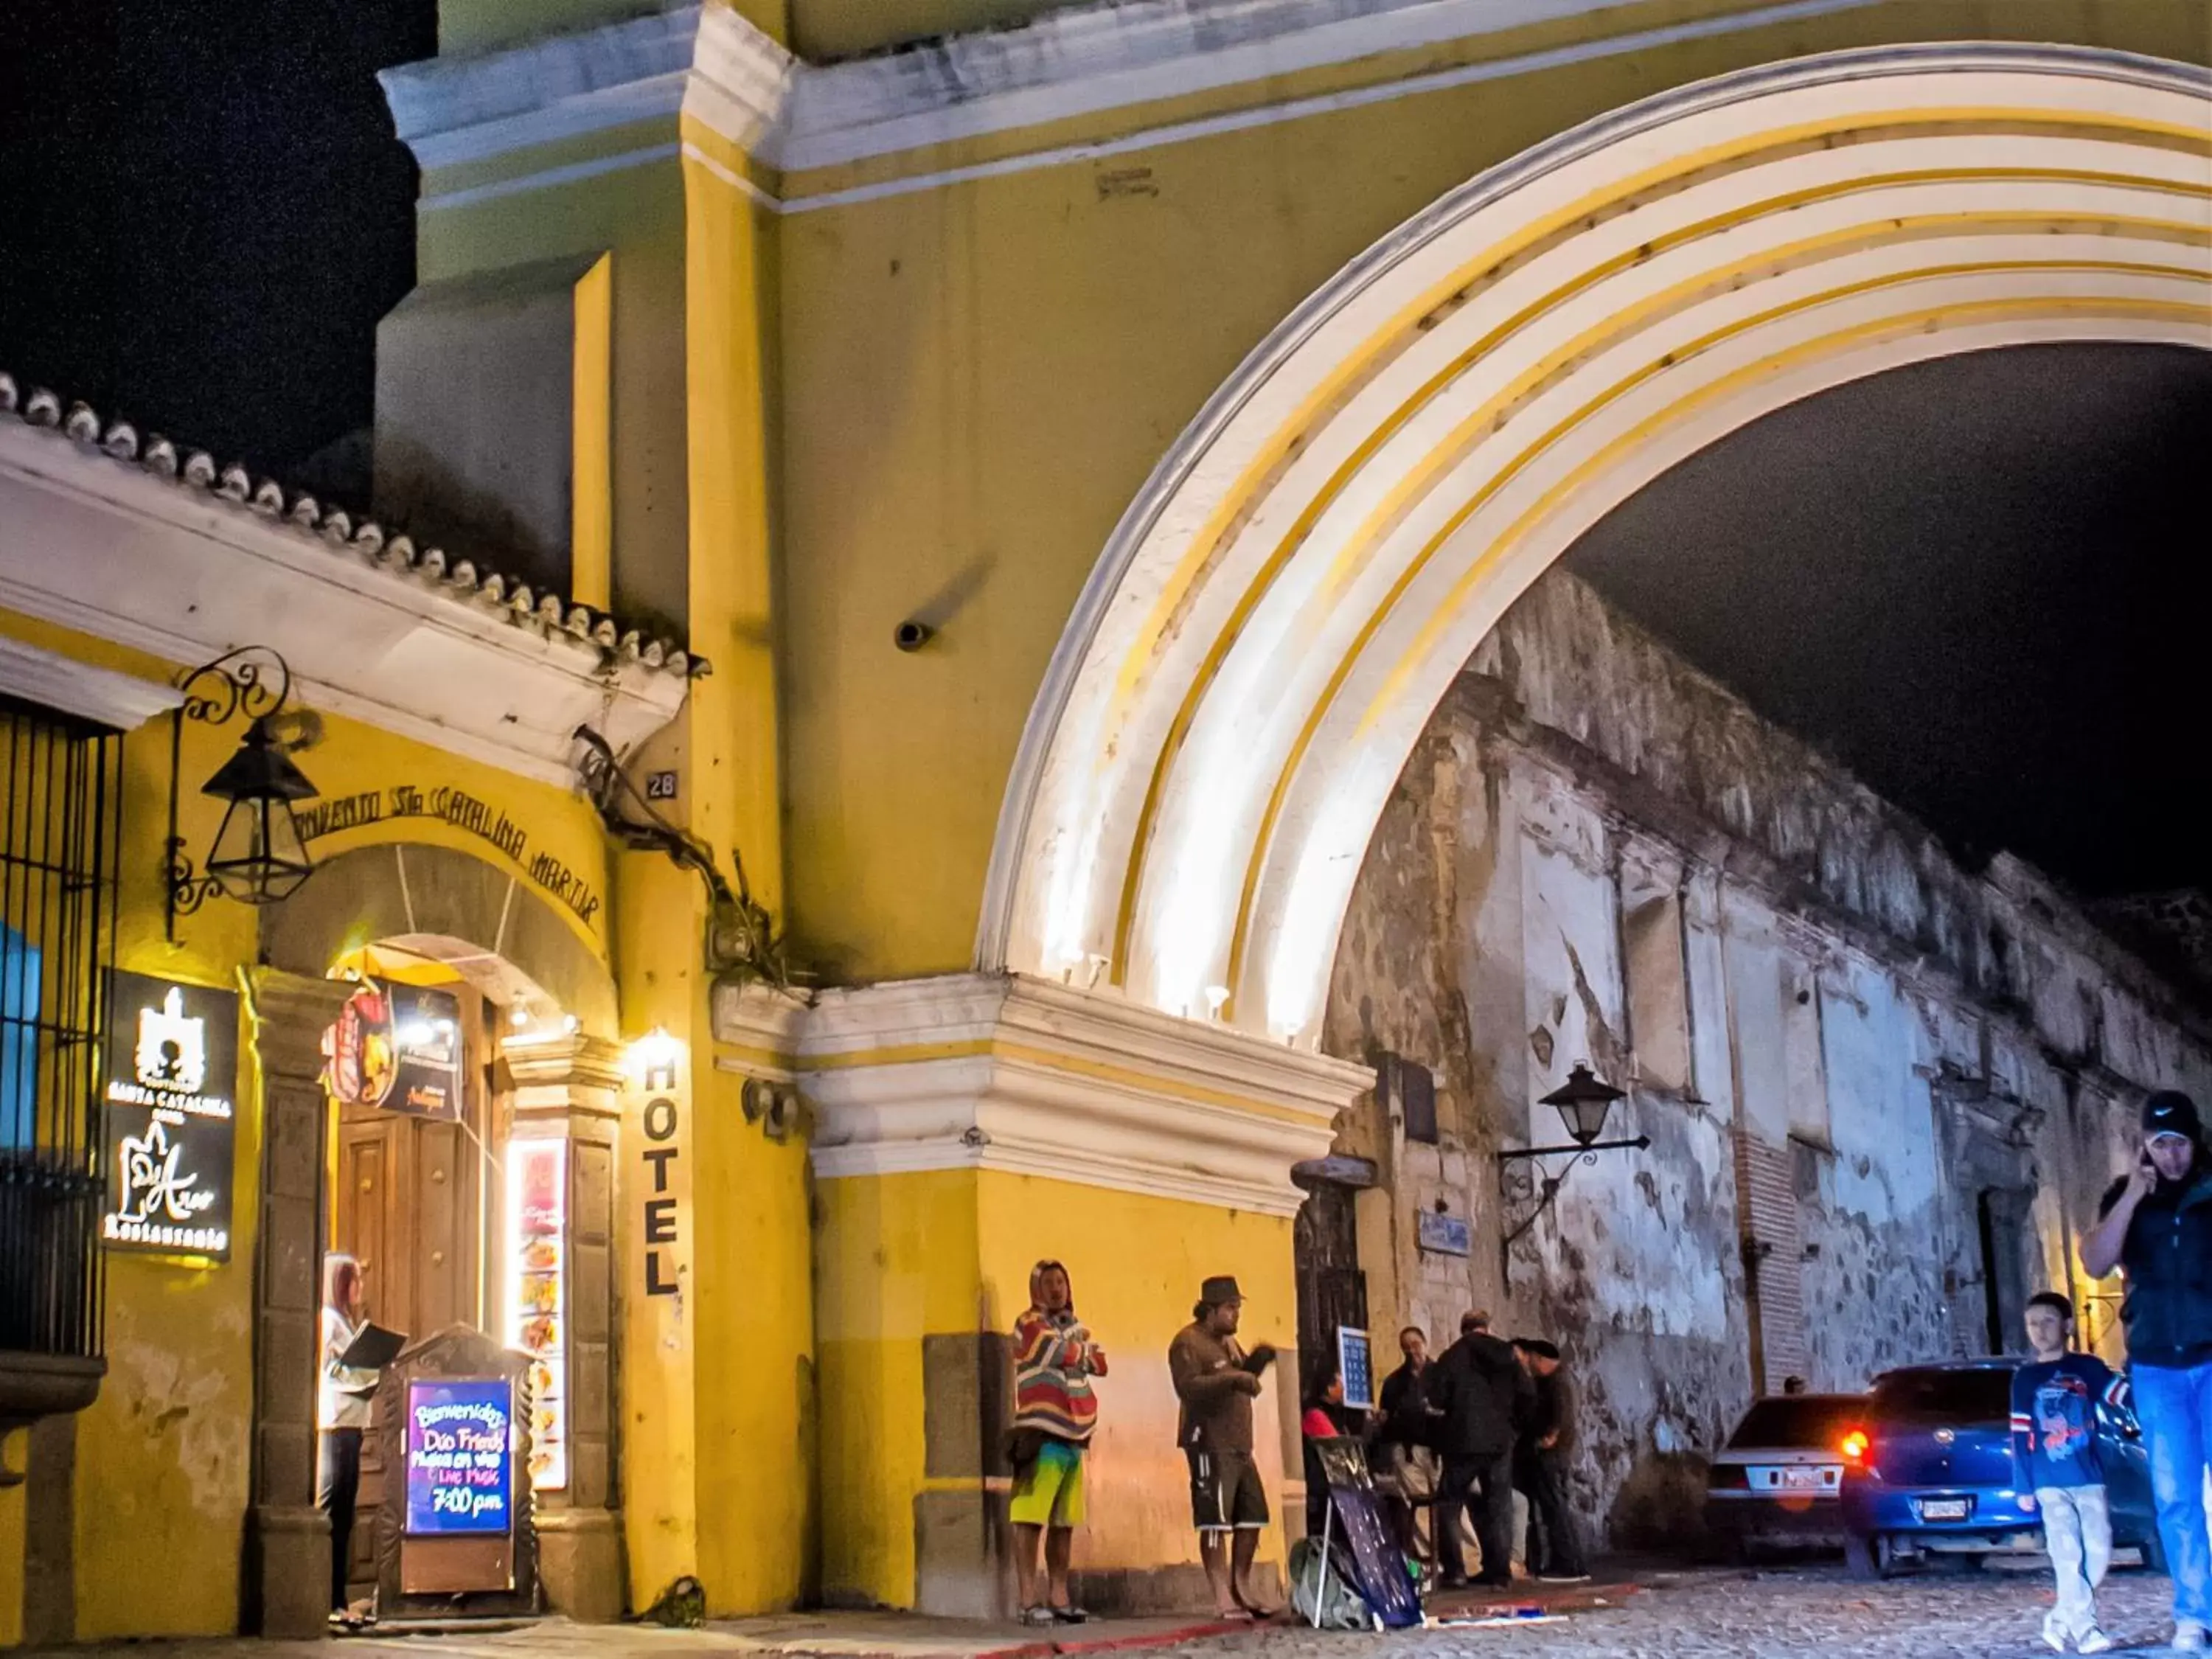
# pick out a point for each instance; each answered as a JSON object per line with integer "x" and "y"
{"x": 398, "y": 1047}
{"x": 170, "y": 1076}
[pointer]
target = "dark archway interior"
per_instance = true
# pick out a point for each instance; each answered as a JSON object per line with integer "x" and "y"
{"x": 1978, "y": 583}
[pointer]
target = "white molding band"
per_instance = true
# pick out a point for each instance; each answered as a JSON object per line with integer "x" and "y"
{"x": 1190, "y": 804}
{"x": 121, "y": 700}
{"x": 997, "y": 1071}
{"x": 708, "y": 63}
{"x": 146, "y": 562}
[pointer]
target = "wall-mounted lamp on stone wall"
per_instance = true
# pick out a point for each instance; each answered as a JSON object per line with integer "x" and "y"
{"x": 1584, "y": 1101}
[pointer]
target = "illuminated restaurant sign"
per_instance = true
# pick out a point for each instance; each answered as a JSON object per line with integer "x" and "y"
{"x": 398, "y": 1047}
{"x": 171, "y": 1072}
{"x": 537, "y": 1298}
{"x": 461, "y": 1456}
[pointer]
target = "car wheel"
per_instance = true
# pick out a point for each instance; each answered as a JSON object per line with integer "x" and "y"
{"x": 1859, "y": 1557}
{"x": 1968, "y": 1562}
{"x": 2154, "y": 1552}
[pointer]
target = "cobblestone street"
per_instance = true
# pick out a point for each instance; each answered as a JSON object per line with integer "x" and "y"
{"x": 1812, "y": 1613}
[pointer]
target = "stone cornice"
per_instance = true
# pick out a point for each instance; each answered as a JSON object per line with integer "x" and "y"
{"x": 997, "y": 1071}
{"x": 114, "y": 550}
{"x": 121, "y": 700}
{"x": 708, "y": 64}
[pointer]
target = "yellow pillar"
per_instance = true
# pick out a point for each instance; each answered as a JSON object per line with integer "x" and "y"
{"x": 14, "y": 1448}
{"x": 965, "y": 1128}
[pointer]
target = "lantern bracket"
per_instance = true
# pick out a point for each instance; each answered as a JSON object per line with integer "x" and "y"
{"x": 253, "y": 681}
{"x": 1519, "y": 1185}
{"x": 741, "y": 944}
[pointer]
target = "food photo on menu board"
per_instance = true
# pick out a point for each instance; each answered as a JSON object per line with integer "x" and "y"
{"x": 538, "y": 1288}
{"x": 461, "y": 1456}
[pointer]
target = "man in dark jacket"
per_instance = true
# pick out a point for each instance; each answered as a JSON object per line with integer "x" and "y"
{"x": 1478, "y": 1390}
{"x": 1540, "y": 1467}
{"x": 2157, "y": 1225}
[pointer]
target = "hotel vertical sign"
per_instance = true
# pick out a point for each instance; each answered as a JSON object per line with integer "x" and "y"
{"x": 171, "y": 1074}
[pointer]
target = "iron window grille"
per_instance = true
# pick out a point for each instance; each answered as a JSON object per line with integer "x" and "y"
{"x": 61, "y": 795}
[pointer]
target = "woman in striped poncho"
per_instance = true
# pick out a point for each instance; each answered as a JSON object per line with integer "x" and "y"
{"x": 1054, "y": 1412}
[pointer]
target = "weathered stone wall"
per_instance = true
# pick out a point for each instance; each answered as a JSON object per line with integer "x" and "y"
{"x": 1596, "y": 853}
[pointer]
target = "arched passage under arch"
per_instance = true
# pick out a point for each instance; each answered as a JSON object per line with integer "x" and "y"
{"x": 1286, "y": 600}
{"x": 482, "y": 920}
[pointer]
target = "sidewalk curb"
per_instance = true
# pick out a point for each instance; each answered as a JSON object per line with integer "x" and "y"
{"x": 1043, "y": 1649}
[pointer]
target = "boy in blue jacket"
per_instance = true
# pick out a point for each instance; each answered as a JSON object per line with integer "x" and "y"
{"x": 2054, "y": 1453}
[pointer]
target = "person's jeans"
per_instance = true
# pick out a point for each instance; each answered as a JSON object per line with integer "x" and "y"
{"x": 2078, "y": 1530}
{"x": 1554, "y": 1548}
{"x": 2174, "y": 1405}
{"x": 1492, "y": 1515}
{"x": 337, "y": 1488}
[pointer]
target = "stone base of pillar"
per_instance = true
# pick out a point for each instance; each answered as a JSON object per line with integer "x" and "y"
{"x": 287, "y": 1563}
{"x": 580, "y": 1564}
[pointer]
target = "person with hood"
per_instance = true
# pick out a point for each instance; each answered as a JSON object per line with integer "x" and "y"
{"x": 1054, "y": 1412}
{"x": 1481, "y": 1394}
{"x": 2156, "y": 1226}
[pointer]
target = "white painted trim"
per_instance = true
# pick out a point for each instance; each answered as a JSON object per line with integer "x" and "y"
{"x": 453, "y": 111}
{"x": 990, "y": 1072}
{"x": 716, "y": 68}
{"x": 1087, "y": 60}
{"x": 122, "y": 701}
{"x": 737, "y": 181}
{"x": 149, "y": 562}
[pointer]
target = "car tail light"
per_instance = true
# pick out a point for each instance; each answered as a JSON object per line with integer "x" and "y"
{"x": 1726, "y": 1477}
{"x": 1855, "y": 1447}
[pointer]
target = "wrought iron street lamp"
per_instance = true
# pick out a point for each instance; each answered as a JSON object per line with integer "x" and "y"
{"x": 259, "y": 855}
{"x": 1585, "y": 1100}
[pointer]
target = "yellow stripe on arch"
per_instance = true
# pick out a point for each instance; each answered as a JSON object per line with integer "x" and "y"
{"x": 1395, "y": 684}
{"x": 1960, "y": 122}
{"x": 1239, "y": 502}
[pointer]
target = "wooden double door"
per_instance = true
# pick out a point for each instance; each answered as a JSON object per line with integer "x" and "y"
{"x": 413, "y": 1198}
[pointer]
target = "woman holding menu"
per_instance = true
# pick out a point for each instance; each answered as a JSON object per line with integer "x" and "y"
{"x": 341, "y": 1412}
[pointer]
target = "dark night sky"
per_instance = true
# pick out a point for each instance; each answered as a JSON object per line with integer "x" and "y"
{"x": 203, "y": 212}
{"x": 1981, "y": 583}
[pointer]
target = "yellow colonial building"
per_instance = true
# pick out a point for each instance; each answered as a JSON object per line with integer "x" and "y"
{"x": 931, "y": 529}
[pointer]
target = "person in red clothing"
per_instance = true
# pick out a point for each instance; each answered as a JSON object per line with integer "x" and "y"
{"x": 1054, "y": 1412}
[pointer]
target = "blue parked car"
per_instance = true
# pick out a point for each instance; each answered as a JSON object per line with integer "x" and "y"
{"x": 1929, "y": 1473}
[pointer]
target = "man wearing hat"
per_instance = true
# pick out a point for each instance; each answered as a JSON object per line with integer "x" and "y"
{"x": 2157, "y": 1226}
{"x": 1217, "y": 1381}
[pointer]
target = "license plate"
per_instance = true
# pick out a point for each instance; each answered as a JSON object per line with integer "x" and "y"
{"x": 1942, "y": 1509}
{"x": 1801, "y": 1479}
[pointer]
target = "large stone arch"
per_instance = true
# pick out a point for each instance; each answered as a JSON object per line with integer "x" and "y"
{"x": 1284, "y": 604}
{"x": 483, "y": 920}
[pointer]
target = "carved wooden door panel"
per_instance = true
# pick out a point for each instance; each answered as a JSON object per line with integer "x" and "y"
{"x": 368, "y": 1228}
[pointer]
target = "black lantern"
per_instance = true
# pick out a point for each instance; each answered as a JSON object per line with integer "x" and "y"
{"x": 259, "y": 855}
{"x": 1583, "y": 1101}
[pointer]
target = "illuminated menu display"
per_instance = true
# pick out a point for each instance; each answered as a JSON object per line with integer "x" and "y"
{"x": 461, "y": 1456}
{"x": 537, "y": 1297}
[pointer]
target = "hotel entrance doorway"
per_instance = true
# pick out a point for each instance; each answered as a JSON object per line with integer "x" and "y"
{"x": 418, "y": 1099}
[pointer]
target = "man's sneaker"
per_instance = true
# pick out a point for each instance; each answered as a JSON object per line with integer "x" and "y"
{"x": 2094, "y": 1641}
{"x": 2190, "y": 1636}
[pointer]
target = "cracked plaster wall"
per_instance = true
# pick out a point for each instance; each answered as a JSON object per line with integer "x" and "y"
{"x": 1902, "y": 1031}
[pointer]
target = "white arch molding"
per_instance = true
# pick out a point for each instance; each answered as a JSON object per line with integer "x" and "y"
{"x": 1285, "y": 602}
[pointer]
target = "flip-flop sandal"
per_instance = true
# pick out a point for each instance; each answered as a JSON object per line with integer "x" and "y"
{"x": 1070, "y": 1616}
{"x": 1040, "y": 1616}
